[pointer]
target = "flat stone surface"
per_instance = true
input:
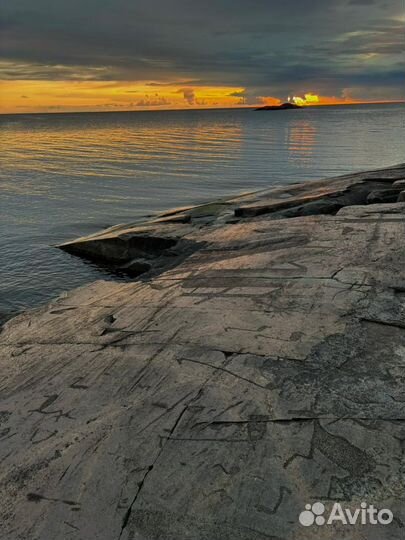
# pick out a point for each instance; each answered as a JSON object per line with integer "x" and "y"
{"x": 374, "y": 210}
{"x": 214, "y": 399}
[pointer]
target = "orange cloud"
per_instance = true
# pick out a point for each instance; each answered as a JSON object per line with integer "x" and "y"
{"x": 43, "y": 96}
{"x": 269, "y": 100}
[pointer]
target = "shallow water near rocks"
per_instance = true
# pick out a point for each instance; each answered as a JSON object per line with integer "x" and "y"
{"x": 68, "y": 175}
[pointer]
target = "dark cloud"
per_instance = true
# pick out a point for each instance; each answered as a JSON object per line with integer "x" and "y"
{"x": 267, "y": 46}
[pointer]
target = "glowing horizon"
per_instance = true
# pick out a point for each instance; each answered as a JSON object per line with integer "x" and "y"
{"x": 37, "y": 96}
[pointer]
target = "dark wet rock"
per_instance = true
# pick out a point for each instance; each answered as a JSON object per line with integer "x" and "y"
{"x": 137, "y": 267}
{"x": 383, "y": 196}
{"x": 328, "y": 202}
{"x": 262, "y": 209}
{"x": 314, "y": 208}
{"x": 122, "y": 247}
{"x": 389, "y": 177}
{"x": 399, "y": 184}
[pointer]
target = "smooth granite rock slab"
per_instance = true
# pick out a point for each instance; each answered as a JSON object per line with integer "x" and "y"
{"x": 215, "y": 399}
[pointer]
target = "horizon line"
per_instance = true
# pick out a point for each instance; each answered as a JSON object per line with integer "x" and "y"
{"x": 248, "y": 107}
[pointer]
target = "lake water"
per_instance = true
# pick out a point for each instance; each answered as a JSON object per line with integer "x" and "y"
{"x": 68, "y": 175}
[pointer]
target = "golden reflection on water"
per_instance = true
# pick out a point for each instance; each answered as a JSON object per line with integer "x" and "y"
{"x": 301, "y": 140}
{"x": 124, "y": 151}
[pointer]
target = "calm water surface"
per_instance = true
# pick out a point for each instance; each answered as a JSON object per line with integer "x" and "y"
{"x": 68, "y": 175}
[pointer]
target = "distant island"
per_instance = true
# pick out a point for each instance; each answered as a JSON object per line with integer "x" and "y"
{"x": 281, "y": 107}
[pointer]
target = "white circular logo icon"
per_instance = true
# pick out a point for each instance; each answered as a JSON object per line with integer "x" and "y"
{"x": 312, "y": 514}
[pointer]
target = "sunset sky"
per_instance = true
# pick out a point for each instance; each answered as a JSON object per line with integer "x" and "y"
{"x": 99, "y": 55}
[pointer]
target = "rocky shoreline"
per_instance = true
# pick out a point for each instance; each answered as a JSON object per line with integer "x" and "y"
{"x": 254, "y": 365}
{"x": 155, "y": 245}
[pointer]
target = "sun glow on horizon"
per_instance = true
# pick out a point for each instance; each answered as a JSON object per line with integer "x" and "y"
{"x": 36, "y": 96}
{"x": 308, "y": 99}
{"x": 25, "y": 96}
{"x": 312, "y": 100}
